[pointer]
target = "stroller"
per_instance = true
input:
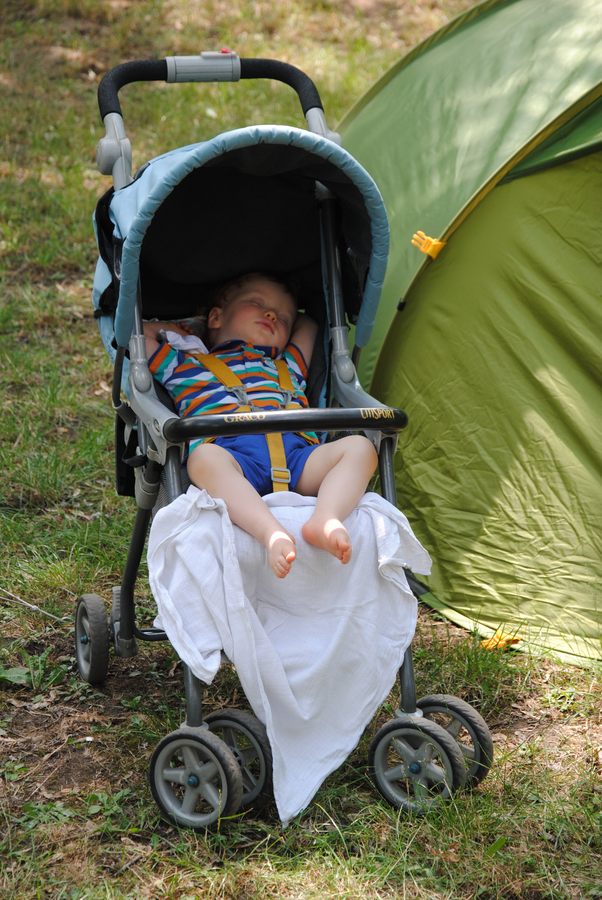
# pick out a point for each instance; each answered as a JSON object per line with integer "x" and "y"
{"x": 260, "y": 198}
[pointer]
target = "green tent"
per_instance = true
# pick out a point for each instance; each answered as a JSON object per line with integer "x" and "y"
{"x": 487, "y": 137}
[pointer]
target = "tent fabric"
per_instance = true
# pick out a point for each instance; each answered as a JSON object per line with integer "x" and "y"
{"x": 497, "y": 359}
{"x": 579, "y": 137}
{"x": 442, "y": 126}
{"x": 488, "y": 136}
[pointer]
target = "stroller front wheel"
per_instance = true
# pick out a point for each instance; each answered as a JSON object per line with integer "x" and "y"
{"x": 467, "y": 727}
{"x": 195, "y": 779}
{"x": 415, "y": 763}
{"x": 246, "y": 736}
{"x": 91, "y": 639}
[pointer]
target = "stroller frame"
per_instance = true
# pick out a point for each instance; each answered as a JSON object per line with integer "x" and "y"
{"x": 232, "y": 746}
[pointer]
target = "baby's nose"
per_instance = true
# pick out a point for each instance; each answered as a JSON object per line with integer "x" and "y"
{"x": 270, "y": 314}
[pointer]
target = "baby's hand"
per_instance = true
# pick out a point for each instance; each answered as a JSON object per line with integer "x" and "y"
{"x": 158, "y": 327}
{"x": 152, "y": 331}
{"x": 178, "y": 327}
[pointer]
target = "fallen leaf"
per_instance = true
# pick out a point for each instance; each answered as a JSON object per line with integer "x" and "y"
{"x": 499, "y": 641}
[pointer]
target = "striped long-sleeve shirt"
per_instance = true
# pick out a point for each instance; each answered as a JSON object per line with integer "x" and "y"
{"x": 196, "y": 391}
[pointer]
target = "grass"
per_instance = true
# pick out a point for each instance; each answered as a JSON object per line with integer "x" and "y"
{"x": 77, "y": 817}
{"x": 531, "y": 830}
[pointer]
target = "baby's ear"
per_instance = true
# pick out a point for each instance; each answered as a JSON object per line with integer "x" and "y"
{"x": 214, "y": 317}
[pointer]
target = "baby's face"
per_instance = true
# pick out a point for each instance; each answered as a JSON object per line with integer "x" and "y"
{"x": 260, "y": 313}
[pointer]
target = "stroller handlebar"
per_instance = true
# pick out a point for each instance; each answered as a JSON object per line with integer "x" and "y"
{"x": 291, "y": 75}
{"x": 126, "y": 73}
{"x": 114, "y": 151}
{"x": 207, "y": 67}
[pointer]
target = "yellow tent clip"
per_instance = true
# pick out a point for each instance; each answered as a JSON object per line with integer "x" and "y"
{"x": 431, "y": 246}
{"x": 499, "y": 641}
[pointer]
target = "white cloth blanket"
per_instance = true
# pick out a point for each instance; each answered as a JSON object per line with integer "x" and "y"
{"x": 317, "y": 652}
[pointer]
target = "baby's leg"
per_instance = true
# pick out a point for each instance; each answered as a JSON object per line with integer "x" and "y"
{"x": 337, "y": 474}
{"x": 213, "y": 468}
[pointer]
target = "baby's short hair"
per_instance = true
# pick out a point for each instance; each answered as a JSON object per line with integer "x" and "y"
{"x": 223, "y": 292}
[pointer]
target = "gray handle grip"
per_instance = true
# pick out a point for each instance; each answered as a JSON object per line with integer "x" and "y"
{"x": 208, "y": 66}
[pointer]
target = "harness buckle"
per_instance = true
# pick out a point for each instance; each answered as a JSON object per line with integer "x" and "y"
{"x": 240, "y": 394}
{"x": 280, "y": 475}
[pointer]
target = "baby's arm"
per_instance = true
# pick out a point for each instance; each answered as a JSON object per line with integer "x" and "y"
{"x": 151, "y": 333}
{"x": 304, "y": 335}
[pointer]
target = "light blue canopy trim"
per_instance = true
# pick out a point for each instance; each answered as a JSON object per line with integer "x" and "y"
{"x": 133, "y": 207}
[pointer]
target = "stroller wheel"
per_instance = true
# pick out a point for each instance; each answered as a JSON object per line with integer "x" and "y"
{"x": 467, "y": 727}
{"x": 415, "y": 763}
{"x": 91, "y": 639}
{"x": 195, "y": 779}
{"x": 246, "y": 736}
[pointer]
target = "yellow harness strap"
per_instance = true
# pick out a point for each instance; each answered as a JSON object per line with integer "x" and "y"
{"x": 223, "y": 373}
{"x": 280, "y": 473}
{"x": 284, "y": 379}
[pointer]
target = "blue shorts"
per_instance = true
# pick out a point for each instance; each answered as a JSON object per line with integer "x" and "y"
{"x": 251, "y": 453}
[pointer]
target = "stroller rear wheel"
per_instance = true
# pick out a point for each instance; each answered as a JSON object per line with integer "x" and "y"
{"x": 415, "y": 763}
{"x": 246, "y": 736}
{"x": 195, "y": 779}
{"x": 91, "y": 639}
{"x": 467, "y": 727}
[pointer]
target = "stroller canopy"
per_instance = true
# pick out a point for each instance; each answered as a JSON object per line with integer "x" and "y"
{"x": 243, "y": 201}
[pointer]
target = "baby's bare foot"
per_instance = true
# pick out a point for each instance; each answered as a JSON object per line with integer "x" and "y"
{"x": 281, "y": 552}
{"x": 330, "y": 535}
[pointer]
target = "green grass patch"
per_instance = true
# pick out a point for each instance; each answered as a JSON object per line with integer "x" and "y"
{"x": 76, "y": 816}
